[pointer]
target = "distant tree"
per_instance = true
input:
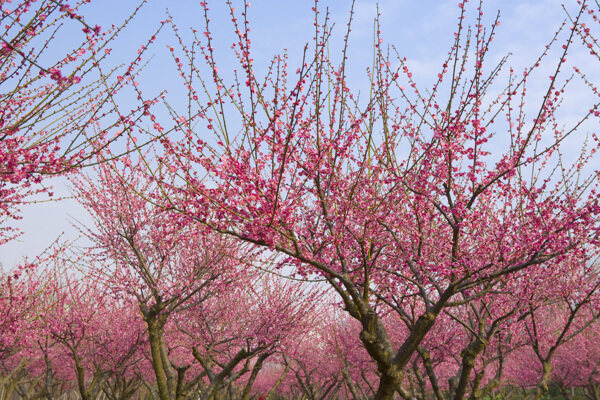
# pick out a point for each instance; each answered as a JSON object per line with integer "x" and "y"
{"x": 209, "y": 317}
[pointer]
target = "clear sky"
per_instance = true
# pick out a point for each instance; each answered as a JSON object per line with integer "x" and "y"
{"x": 422, "y": 31}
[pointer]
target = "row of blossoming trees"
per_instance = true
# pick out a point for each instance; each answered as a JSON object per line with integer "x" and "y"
{"x": 74, "y": 337}
{"x": 284, "y": 237}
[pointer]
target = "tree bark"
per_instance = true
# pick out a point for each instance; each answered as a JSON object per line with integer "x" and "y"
{"x": 468, "y": 363}
{"x": 155, "y": 332}
{"x": 386, "y": 389}
{"x": 255, "y": 370}
{"x": 542, "y": 389}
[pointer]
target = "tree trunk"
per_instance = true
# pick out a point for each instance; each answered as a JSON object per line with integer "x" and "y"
{"x": 255, "y": 370}
{"x": 279, "y": 381}
{"x": 155, "y": 332}
{"x": 219, "y": 379}
{"x": 542, "y": 389}
{"x": 376, "y": 341}
{"x": 83, "y": 392}
{"x": 386, "y": 389}
{"x": 468, "y": 362}
{"x": 351, "y": 385}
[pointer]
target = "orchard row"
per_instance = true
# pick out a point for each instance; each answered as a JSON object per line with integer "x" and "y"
{"x": 281, "y": 236}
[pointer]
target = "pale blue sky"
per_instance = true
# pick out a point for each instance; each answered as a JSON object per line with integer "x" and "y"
{"x": 422, "y": 32}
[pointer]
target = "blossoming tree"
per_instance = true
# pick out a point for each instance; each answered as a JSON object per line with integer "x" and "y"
{"x": 404, "y": 202}
{"x": 209, "y": 316}
{"x": 57, "y": 99}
